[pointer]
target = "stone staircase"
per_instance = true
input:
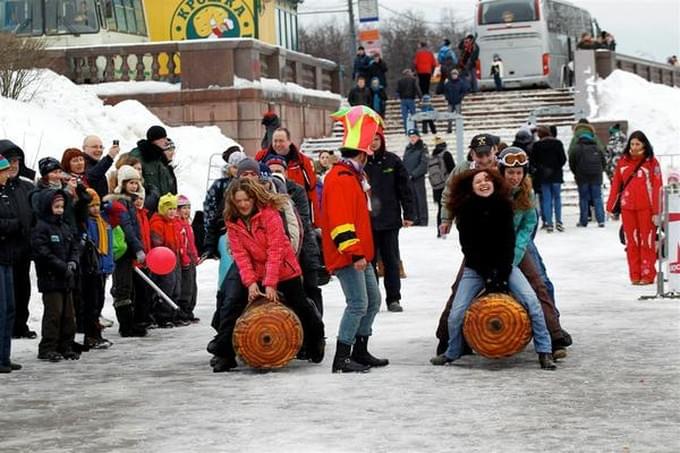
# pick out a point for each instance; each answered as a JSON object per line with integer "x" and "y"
{"x": 499, "y": 113}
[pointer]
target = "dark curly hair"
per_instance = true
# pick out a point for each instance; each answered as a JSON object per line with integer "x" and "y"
{"x": 460, "y": 189}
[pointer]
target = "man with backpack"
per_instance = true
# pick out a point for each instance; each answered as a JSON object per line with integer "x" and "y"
{"x": 587, "y": 162}
{"x": 440, "y": 165}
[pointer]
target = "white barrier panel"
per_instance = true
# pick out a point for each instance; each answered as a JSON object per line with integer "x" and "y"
{"x": 673, "y": 235}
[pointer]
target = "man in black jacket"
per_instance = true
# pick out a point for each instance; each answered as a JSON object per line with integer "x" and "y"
{"x": 18, "y": 188}
{"x": 407, "y": 91}
{"x": 390, "y": 194}
{"x": 360, "y": 94}
{"x": 587, "y": 163}
{"x": 548, "y": 158}
{"x": 96, "y": 166}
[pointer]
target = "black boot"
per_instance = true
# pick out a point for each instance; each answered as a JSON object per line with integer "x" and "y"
{"x": 361, "y": 355}
{"x": 126, "y": 321}
{"x": 343, "y": 362}
{"x": 546, "y": 361}
{"x": 222, "y": 364}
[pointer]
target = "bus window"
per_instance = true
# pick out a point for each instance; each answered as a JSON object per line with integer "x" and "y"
{"x": 70, "y": 17}
{"x": 21, "y": 17}
{"x": 507, "y": 11}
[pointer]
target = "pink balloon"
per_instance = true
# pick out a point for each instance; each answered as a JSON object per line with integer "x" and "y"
{"x": 161, "y": 260}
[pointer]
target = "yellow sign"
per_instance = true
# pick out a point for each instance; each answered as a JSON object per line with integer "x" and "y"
{"x": 196, "y": 19}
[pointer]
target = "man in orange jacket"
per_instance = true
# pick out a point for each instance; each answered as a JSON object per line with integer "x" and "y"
{"x": 300, "y": 167}
{"x": 347, "y": 239}
{"x": 424, "y": 63}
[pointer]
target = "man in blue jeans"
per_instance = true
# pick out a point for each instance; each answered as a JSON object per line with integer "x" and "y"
{"x": 587, "y": 163}
{"x": 348, "y": 241}
{"x": 407, "y": 91}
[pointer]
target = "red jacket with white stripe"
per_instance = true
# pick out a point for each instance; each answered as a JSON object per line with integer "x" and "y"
{"x": 643, "y": 191}
{"x": 345, "y": 218}
{"x": 261, "y": 250}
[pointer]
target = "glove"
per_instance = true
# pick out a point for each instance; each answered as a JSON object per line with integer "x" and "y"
{"x": 70, "y": 278}
{"x": 72, "y": 266}
{"x": 140, "y": 257}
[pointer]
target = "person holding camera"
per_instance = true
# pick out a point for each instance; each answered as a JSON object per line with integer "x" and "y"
{"x": 97, "y": 166}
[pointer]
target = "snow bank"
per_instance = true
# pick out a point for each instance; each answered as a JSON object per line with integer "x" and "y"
{"x": 132, "y": 87}
{"x": 60, "y": 114}
{"x": 650, "y": 107}
{"x": 276, "y": 88}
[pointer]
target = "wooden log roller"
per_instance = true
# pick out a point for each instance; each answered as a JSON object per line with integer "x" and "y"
{"x": 267, "y": 335}
{"x": 496, "y": 326}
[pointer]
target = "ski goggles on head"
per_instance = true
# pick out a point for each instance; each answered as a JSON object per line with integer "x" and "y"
{"x": 518, "y": 159}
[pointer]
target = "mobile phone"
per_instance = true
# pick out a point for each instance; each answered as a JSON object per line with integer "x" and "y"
{"x": 116, "y": 143}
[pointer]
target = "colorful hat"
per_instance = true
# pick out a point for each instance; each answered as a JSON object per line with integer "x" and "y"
{"x": 95, "y": 200}
{"x": 182, "y": 200}
{"x": 360, "y": 125}
{"x": 166, "y": 202}
{"x": 4, "y": 163}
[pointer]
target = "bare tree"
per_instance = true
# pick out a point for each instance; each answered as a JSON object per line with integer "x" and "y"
{"x": 329, "y": 41}
{"x": 19, "y": 57}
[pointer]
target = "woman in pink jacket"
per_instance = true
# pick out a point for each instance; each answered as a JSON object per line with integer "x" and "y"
{"x": 267, "y": 264}
{"x": 640, "y": 173}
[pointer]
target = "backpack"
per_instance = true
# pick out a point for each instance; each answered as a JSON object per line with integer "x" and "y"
{"x": 436, "y": 171}
{"x": 591, "y": 159}
{"x": 445, "y": 53}
{"x": 119, "y": 244}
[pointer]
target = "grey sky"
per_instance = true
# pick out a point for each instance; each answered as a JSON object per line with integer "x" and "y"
{"x": 645, "y": 28}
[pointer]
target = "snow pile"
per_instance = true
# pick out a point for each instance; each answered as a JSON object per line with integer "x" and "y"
{"x": 276, "y": 88}
{"x": 60, "y": 114}
{"x": 650, "y": 107}
{"x": 132, "y": 87}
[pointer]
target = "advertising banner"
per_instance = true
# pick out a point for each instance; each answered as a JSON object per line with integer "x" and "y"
{"x": 673, "y": 235}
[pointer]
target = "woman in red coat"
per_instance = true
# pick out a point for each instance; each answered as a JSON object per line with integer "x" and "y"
{"x": 640, "y": 205}
{"x": 266, "y": 262}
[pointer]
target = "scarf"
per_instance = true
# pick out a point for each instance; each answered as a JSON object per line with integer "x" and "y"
{"x": 103, "y": 235}
{"x": 358, "y": 170}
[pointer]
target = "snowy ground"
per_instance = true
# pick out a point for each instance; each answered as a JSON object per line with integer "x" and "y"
{"x": 619, "y": 389}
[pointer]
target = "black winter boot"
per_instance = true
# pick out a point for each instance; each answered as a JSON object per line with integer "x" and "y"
{"x": 126, "y": 321}
{"x": 343, "y": 362}
{"x": 361, "y": 355}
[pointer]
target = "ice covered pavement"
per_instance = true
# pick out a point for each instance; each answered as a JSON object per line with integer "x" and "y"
{"x": 619, "y": 389}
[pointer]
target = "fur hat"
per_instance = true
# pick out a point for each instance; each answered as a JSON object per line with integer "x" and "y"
{"x": 126, "y": 173}
{"x": 182, "y": 200}
{"x": 166, "y": 202}
{"x": 47, "y": 165}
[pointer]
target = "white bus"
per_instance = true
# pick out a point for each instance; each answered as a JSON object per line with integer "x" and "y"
{"x": 75, "y": 22}
{"x": 535, "y": 39}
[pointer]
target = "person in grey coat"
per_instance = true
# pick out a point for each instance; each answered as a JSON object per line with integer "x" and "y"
{"x": 416, "y": 160}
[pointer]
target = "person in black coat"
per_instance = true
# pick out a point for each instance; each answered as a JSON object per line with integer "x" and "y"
{"x": 96, "y": 166}
{"x": 18, "y": 188}
{"x": 360, "y": 94}
{"x": 56, "y": 254}
{"x": 377, "y": 68}
{"x": 10, "y": 230}
{"x": 548, "y": 158}
{"x": 482, "y": 208}
{"x": 416, "y": 161}
{"x": 407, "y": 92}
{"x": 439, "y": 168}
{"x": 587, "y": 163}
{"x": 390, "y": 196}
{"x": 361, "y": 63}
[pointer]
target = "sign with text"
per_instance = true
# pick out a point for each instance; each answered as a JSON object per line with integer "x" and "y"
{"x": 368, "y": 11}
{"x": 673, "y": 235}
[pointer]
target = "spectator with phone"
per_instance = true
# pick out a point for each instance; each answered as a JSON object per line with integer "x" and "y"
{"x": 97, "y": 166}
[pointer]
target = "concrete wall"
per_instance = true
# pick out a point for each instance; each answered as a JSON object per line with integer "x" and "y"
{"x": 238, "y": 112}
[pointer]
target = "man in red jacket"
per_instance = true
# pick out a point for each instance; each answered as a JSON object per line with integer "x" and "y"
{"x": 300, "y": 167}
{"x": 347, "y": 239}
{"x": 424, "y": 63}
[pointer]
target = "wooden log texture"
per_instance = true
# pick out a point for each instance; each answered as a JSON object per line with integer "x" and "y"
{"x": 267, "y": 335}
{"x": 496, "y": 326}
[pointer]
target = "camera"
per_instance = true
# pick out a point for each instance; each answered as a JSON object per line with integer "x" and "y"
{"x": 116, "y": 143}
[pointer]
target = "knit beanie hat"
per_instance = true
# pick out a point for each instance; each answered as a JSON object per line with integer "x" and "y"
{"x": 95, "y": 197}
{"x": 167, "y": 202}
{"x": 126, "y": 173}
{"x": 47, "y": 165}
{"x": 236, "y": 158}
{"x": 70, "y": 153}
{"x": 674, "y": 176}
{"x": 248, "y": 164}
{"x": 57, "y": 197}
{"x": 4, "y": 163}
{"x": 276, "y": 160}
{"x": 182, "y": 200}
{"x": 156, "y": 132}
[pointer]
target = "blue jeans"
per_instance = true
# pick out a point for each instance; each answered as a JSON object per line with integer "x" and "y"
{"x": 6, "y": 314}
{"x": 470, "y": 285}
{"x": 408, "y": 106}
{"x": 362, "y": 297}
{"x": 538, "y": 261}
{"x": 586, "y": 194}
{"x": 551, "y": 197}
